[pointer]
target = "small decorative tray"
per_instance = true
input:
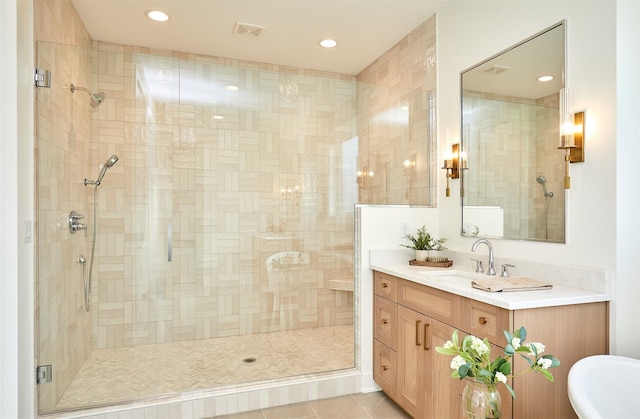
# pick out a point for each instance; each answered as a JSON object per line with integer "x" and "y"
{"x": 445, "y": 264}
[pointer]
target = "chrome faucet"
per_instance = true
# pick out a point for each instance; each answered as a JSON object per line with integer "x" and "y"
{"x": 490, "y": 270}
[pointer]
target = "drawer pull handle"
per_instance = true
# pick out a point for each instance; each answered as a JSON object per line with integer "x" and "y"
{"x": 426, "y": 348}
{"x": 384, "y": 368}
{"x": 418, "y": 333}
{"x": 384, "y": 285}
{"x": 482, "y": 320}
{"x": 385, "y": 321}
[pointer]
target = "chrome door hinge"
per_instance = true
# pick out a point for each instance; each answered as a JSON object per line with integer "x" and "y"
{"x": 41, "y": 78}
{"x": 43, "y": 374}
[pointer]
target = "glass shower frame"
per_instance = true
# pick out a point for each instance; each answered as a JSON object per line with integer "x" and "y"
{"x": 229, "y": 212}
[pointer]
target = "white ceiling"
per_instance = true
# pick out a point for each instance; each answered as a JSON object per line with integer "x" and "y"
{"x": 365, "y": 29}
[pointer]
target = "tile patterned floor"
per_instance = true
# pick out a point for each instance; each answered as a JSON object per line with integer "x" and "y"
{"x": 155, "y": 370}
{"x": 355, "y": 406}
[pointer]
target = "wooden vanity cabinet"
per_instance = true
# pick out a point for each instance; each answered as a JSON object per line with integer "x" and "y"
{"x": 423, "y": 377}
{"x": 426, "y": 317}
{"x": 385, "y": 332}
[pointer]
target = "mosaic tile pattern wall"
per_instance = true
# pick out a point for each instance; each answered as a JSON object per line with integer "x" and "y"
{"x": 397, "y": 122}
{"x": 249, "y": 183}
{"x": 513, "y": 147}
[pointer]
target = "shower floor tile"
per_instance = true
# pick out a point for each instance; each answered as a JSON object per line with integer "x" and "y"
{"x": 131, "y": 373}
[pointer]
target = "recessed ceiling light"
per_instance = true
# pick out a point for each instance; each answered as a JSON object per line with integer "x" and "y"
{"x": 231, "y": 87}
{"x": 218, "y": 117}
{"x": 157, "y": 15}
{"x": 545, "y": 78}
{"x": 328, "y": 43}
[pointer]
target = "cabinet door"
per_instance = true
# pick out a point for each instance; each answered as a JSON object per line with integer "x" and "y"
{"x": 445, "y": 398}
{"x": 385, "y": 286}
{"x": 412, "y": 385}
{"x": 385, "y": 368}
{"x": 385, "y": 319}
{"x": 569, "y": 332}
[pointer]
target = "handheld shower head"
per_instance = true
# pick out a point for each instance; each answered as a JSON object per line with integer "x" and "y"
{"x": 96, "y": 98}
{"x": 108, "y": 164}
{"x": 543, "y": 181}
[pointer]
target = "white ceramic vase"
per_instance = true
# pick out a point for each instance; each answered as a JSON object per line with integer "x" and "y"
{"x": 421, "y": 255}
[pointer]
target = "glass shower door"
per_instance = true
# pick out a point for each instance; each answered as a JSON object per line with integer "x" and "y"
{"x": 63, "y": 160}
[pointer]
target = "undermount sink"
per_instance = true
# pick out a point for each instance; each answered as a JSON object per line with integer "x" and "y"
{"x": 451, "y": 277}
{"x": 605, "y": 386}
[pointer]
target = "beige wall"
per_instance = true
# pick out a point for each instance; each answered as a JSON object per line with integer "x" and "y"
{"x": 396, "y": 122}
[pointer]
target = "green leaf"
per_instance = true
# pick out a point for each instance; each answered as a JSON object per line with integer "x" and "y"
{"x": 454, "y": 338}
{"x": 508, "y": 350}
{"x": 464, "y": 370}
{"x": 505, "y": 368}
{"x": 508, "y": 336}
{"x": 497, "y": 363}
{"x": 445, "y": 351}
{"x": 522, "y": 334}
{"x": 485, "y": 373}
{"x": 513, "y": 394}
{"x": 529, "y": 361}
{"x": 546, "y": 373}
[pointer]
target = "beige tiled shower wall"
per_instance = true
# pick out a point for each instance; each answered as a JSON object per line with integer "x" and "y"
{"x": 63, "y": 160}
{"x": 252, "y": 203}
{"x": 512, "y": 154}
{"x": 550, "y": 164}
{"x": 397, "y": 122}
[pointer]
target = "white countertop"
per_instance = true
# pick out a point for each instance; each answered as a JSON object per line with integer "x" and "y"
{"x": 441, "y": 278}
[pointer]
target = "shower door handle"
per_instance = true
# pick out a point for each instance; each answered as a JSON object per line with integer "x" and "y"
{"x": 169, "y": 240}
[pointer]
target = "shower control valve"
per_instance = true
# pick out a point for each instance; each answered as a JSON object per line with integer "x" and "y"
{"x": 74, "y": 224}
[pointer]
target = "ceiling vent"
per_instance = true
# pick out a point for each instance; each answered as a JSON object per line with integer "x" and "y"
{"x": 496, "y": 69}
{"x": 247, "y": 29}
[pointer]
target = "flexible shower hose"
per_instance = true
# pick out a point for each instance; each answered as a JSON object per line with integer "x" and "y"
{"x": 87, "y": 282}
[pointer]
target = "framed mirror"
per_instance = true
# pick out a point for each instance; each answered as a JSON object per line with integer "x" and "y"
{"x": 512, "y": 187}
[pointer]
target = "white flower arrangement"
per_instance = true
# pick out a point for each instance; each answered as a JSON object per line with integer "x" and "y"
{"x": 472, "y": 358}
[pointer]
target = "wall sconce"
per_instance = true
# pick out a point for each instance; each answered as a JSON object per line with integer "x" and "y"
{"x": 571, "y": 134}
{"x": 362, "y": 175}
{"x": 290, "y": 196}
{"x": 454, "y": 161}
{"x": 409, "y": 166}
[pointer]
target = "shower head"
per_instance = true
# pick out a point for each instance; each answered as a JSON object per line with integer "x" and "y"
{"x": 543, "y": 181}
{"x": 96, "y": 98}
{"x": 109, "y": 163}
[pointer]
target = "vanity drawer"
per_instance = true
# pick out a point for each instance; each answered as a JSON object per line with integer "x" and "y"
{"x": 385, "y": 367}
{"x": 385, "y": 285}
{"x": 484, "y": 320}
{"x": 385, "y": 321}
{"x": 431, "y": 302}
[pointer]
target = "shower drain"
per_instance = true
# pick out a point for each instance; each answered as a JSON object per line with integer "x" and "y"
{"x": 249, "y": 360}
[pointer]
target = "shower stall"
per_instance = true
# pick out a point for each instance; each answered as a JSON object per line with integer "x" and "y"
{"x": 218, "y": 230}
{"x": 222, "y": 229}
